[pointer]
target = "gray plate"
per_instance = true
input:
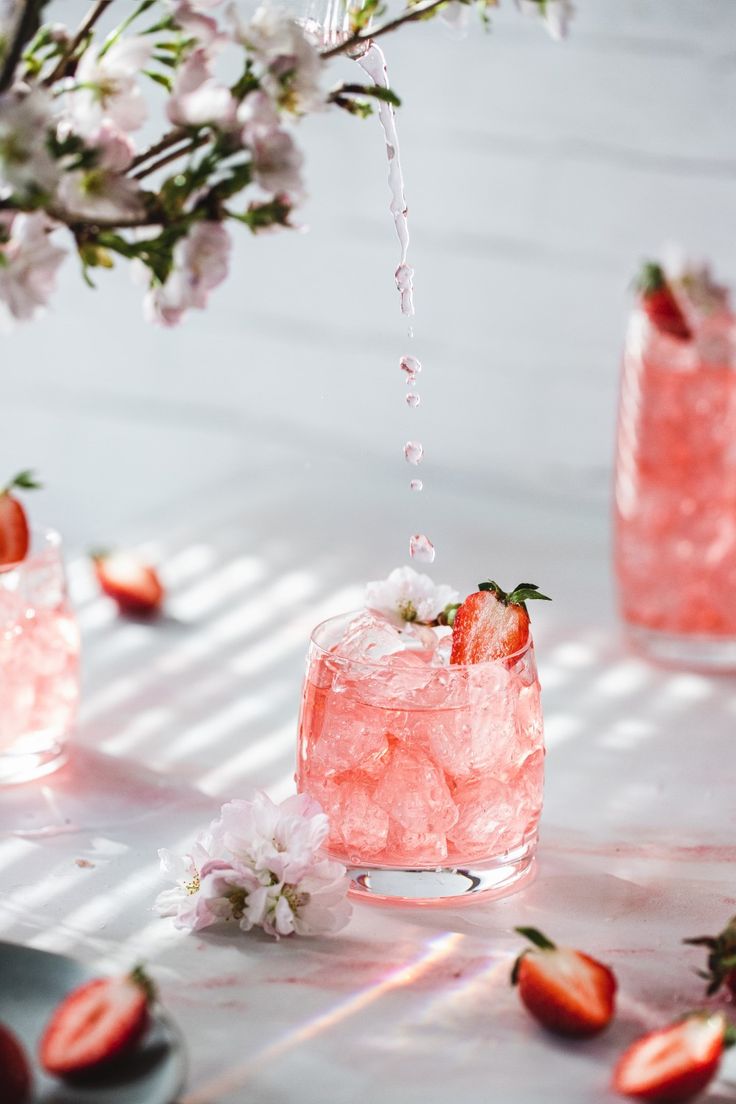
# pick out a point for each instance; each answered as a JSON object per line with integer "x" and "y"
{"x": 31, "y": 985}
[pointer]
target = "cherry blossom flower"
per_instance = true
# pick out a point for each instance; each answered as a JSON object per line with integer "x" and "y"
{"x": 197, "y": 98}
{"x": 191, "y": 908}
{"x": 192, "y": 17}
{"x": 28, "y": 264}
{"x": 26, "y": 165}
{"x": 557, "y": 14}
{"x": 259, "y": 865}
{"x": 200, "y": 264}
{"x": 277, "y": 160}
{"x": 293, "y": 66}
{"x": 105, "y": 87}
{"x": 102, "y": 192}
{"x": 407, "y": 595}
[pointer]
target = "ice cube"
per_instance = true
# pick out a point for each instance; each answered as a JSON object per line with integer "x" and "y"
{"x": 414, "y": 792}
{"x": 416, "y": 846}
{"x": 369, "y": 638}
{"x": 482, "y": 737}
{"x": 352, "y": 736}
{"x": 489, "y": 820}
{"x": 363, "y": 824}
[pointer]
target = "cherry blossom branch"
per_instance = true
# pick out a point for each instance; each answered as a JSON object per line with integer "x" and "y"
{"x": 195, "y": 144}
{"x": 93, "y": 15}
{"x": 171, "y": 139}
{"x": 412, "y": 15}
{"x": 27, "y": 26}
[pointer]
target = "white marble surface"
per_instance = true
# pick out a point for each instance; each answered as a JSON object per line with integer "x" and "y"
{"x": 257, "y": 453}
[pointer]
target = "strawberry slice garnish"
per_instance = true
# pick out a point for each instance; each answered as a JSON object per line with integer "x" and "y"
{"x": 15, "y": 1073}
{"x": 14, "y": 535}
{"x": 130, "y": 581}
{"x": 721, "y": 965}
{"x": 101, "y": 1020}
{"x": 491, "y": 624}
{"x": 675, "y": 1063}
{"x": 567, "y": 991}
{"x": 659, "y": 302}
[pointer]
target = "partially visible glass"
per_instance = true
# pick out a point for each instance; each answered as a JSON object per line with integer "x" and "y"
{"x": 675, "y": 494}
{"x": 431, "y": 775}
{"x": 39, "y": 662}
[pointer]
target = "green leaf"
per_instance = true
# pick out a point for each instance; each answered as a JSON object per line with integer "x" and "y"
{"x": 651, "y": 278}
{"x": 159, "y": 78}
{"x": 24, "y": 481}
{"x": 537, "y": 938}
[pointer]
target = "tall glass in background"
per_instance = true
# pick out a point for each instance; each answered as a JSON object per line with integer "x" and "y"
{"x": 39, "y": 662}
{"x": 675, "y": 492}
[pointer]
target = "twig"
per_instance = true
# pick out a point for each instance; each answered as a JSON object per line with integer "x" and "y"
{"x": 27, "y": 27}
{"x": 163, "y": 161}
{"x": 410, "y": 16}
{"x": 168, "y": 140}
{"x": 92, "y": 16}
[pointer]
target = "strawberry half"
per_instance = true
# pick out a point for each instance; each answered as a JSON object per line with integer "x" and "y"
{"x": 131, "y": 582}
{"x": 721, "y": 958}
{"x": 14, "y": 535}
{"x": 491, "y": 624}
{"x": 15, "y": 1073}
{"x": 660, "y": 304}
{"x": 101, "y": 1020}
{"x": 567, "y": 991}
{"x": 675, "y": 1063}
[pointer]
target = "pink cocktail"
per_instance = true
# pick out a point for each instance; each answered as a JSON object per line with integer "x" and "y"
{"x": 39, "y": 662}
{"x": 431, "y": 774}
{"x": 675, "y": 515}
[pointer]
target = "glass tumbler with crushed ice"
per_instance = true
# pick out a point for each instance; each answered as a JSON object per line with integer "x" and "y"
{"x": 431, "y": 773}
{"x": 39, "y": 662}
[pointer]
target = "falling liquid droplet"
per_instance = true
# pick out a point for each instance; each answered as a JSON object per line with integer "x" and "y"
{"x": 416, "y": 485}
{"x": 410, "y": 332}
{"x": 405, "y": 283}
{"x": 421, "y": 548}
{"x": 412, "y": 399}
{"x": 411, "y": 366}
{"x": 413, "y": 452}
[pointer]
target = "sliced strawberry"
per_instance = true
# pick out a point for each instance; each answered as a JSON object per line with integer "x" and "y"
{"x": 567, "y": 991}
{"x": 491, "y": 624}
{"x": 132, "y": 583}
{"x": 15, "y": 1073}
{"x": 14, "y": 535}
{"x": 101, "y": 1020}
{"x": 721, "y": 965}
{"x": 675, "y": 1063}
{"x": 659, "y": 302}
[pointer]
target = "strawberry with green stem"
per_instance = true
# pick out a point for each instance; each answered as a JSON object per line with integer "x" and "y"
{"x": 659, "y": 302}
{"x": 492, "y": 624}
{"x": 14, "y": 531}
{"x": 568, "y": 992}
{"x": 721, "y": 963}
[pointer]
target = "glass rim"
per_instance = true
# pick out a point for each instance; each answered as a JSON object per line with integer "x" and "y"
{"x": 502, "y": 661}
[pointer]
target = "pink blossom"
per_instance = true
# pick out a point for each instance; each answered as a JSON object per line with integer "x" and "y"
{"x": 315, "y": 904}
{"x": 192, "y": 18}
{"x": 292, "y": 65}
{"x": 197, "y": 98}
{"x": 191, "y": 907}
{"x": 200, "y": 264}
{"x": 277, "y": 160}
{"x": 28, "y": 264}
{"x": 102, "y": 191}
{"x": 282, "y": 839}
{"x": 25, "y": 162}
{"x": 105, "y": 87}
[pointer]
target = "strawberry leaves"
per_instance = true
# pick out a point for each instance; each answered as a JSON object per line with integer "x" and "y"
{"x": 522, "y": 593}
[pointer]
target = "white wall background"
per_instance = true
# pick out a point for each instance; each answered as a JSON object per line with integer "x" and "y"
{"x": 537, "y": 176}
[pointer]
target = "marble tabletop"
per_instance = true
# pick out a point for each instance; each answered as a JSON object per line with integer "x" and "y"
{"x": 256, "y": 455}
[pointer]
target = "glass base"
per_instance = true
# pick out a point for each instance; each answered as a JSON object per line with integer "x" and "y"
{"x": 24, "y": 766}
{"x": 442, "y": 886}
{"x": 691, "y": 652}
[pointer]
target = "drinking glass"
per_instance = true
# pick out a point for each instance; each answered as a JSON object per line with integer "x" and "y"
{"x": 431, "y": 776}
{"x": 39, "y": 662}
{"x": 675, "y": 495}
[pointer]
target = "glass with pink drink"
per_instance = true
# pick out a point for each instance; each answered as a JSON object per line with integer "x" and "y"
{"x": 430, "y": 771}
{"x": 39, "y": 661}
{"x": 675, "y": 495}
